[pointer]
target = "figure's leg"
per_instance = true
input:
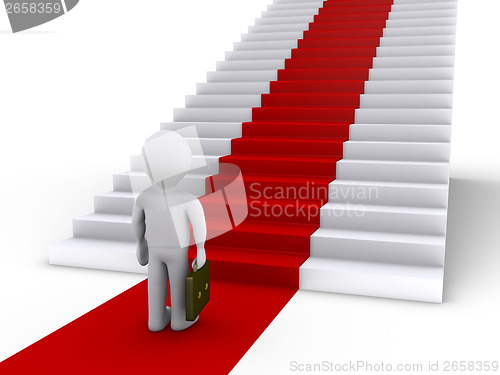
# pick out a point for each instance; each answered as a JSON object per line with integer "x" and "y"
{"x": 178, "y": 269}
{"x": 159, "y": 314}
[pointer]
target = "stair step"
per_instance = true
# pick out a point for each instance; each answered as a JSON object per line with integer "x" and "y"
{"x": 400, "y": 133}
{"x": 259, "y": 186}
{"x": 350, "y": 34}
{"x": 354, "y": 3}
{"x": 393, "y": 171}
{"x": 104, "y": 227}
{"x": 338, "y": 42}
{"x": 331, "y": 87}
{"x": 419, "y": 14}
{"x": 424, "y": 6}
{"x": 409, "y": 87}
{"x": 242, "y": 76}
{"x": 378, "y": 247}
{"x": 444, "y": 73}
{"x": 420, "y": 22}
{"x": 298, "y": 12}
{"x": 419, "y": 30}
{"x": 397, "y": 151}
{"x": 212, "y": 146}
{"x": 430, "y": 116}
{"x": 110, "y": 227}
{"x": 373, "y": 279}
{"x": 207, "y": 129}
{"x": 286, "y": 35}
{"x": 293, "y": 6}
{"x": 96, "y": 254}
{"x": 302, "y": 114}
{"x": 342, "y": 3}
{"x": 282, "y": 237}
{"x": 284, "y": 20}
{"x": 115, "y": 202}
{"x": 235, "y": 88}
{"x": 296, "y": 129}
{"x": 201, "y": 164}
{"x": 405, "y": 100}
{"x": 278, "y": 28}
{"x": 256, "y": 267}
{"x": 389, "y": 193}
{"x": 362, "y": 24}
{"x": 328, "y": 62}
{"x": 138, "y": 181}
{"x": 197, "y": 142}
{"x": 284, "y": 146}
{"x": 379, "y": 8}
{"x": 287, "y": 165}
{"x": 341, "y": 17}
{"x": 420, "y": 40}
{"x": 222, "y": 101}
{"x": 323, "y": 74}
{"x": 293, "y": 1}
{"x": 131, "y": 182}
{"x": 212, "y": 114}
{"x": 259, "y": 55}
{"x": 331, "y": 38}
{"x": 310, "y": 100}
{"x": 237, "y": 65}
{"x": 266, "y": 267}
{"x": 335, "y": 52}
{"x": 413, "y": 62}
{"x": 399, "y": 51}
{"x": 370, "y": 218}
{"x": 265, "y": 45}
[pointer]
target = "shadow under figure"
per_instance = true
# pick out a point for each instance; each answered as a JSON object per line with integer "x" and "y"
{"x": 161, "y": 220}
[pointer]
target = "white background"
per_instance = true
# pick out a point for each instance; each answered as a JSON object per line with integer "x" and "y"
{"x": 80, "y": 94}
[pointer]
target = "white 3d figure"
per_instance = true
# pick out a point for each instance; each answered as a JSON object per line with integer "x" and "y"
{"x": 161, "y": 219}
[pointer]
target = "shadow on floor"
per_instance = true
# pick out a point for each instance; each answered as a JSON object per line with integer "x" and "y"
{"x": 472, "y": 245}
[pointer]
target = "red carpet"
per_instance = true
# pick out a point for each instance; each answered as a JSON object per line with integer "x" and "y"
{"x": 288, "y": 153}
{"x": 114, "y": 338}
{"x": 287, "y": 156}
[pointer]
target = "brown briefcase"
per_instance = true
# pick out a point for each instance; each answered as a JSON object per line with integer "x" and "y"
{"x": 197, "y": 290}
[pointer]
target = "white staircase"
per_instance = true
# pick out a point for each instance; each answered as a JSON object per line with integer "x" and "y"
{"x": 104, "y": 239}
{"x": 383, "y": 230}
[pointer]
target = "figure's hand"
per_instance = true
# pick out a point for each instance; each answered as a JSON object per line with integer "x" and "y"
{"x": 142, "y": 252}
{"x": 200, "y": 258}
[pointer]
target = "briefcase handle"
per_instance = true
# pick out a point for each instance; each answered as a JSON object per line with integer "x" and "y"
{"x": 195, "y": 265}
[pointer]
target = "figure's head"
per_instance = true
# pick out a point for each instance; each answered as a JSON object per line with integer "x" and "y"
{"x": 167, "y": 157}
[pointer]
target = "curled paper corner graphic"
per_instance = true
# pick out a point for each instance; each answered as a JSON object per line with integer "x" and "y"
{"x": 26, "y": 14}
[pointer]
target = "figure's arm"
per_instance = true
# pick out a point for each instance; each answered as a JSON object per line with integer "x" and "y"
{"x": 139, "y": 227}
{"x": 197, "y": 218}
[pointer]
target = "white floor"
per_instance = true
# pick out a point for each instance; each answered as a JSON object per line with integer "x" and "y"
{"x": 80, "y": 94}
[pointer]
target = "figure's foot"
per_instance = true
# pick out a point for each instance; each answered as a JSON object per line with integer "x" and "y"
{"x": 158, "y": 326}
{"x": 179, "y": 326}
